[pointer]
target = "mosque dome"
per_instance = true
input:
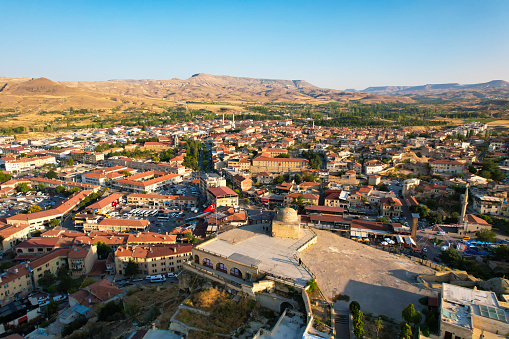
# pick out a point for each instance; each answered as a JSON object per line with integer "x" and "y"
{"x": 287, "y": 215}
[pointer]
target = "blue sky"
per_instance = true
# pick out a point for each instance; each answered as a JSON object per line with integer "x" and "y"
{"x": 332, "y": 44}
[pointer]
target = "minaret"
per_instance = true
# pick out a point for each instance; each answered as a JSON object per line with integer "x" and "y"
{"x": 223, "y": 119}
{"x": 462, "y": 220}
{"x": 313, "y": 124}
{"x": 233, "y": 119}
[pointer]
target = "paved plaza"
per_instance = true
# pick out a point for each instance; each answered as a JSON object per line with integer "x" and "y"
{"x": 381, "y": 282}
{"x": 276, "y": 254}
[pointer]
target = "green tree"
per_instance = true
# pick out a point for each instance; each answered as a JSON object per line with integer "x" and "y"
{"x": 41, "y": 187}
{"x": 37, "y": 233}
{"x": 247, "y": 201}
{"x": 450, "y": 256}
{"x": 378, "y": 325}
{"x": 51, "y": 174}
{"x": 70, "y": 162}
{"x": 383, "y": 219}
{"x": 110, "y": 309}
{"x": 278, "y": 180}
{"x": 60, "y": 189}
{"x": 354, "y": 307}
{"x": 103, "y": 250}
{"x": 422, "y": 210}
{"x": 4, "y": 177}
{"x": 406, "y": 331}
{"x": 126, "y": 173}
{"x": 131, "y": 268}
{"x": 472, "y": 169}
{"x": 52, "y": 308}
{"x": 132, "y": 310}
{"x": 47, "y": 279}
{"x": 297, "y": 178}
{"x": 23, "y": 187}
{"x": 34, "y": 208}
{"x": 434, "y": 218}
{"x": 300, "y": 200}
{"x": 408, "y": 313}
{"x": 486, "y": 235}
{"x": 54, "y": 223}
{"x": 283, "y": 155}
{"x": 358, "y": 329}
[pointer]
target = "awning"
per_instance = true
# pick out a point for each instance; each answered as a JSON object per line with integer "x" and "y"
{"x": 410, "y": 241}
{"x": 399, "y": 239}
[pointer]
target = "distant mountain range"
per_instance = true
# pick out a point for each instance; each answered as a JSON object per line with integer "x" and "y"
{"x": 207, "y": 87}
{"x": 491, "y": 89}
{"x": 38, "y": 94}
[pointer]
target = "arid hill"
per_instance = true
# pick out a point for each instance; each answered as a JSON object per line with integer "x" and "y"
{"x": 206, "y": 87}
{"x": 496, "y": 89}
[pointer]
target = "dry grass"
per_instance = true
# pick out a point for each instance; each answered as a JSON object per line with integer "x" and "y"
{"x": 226, "y": 315}
{"x": 499, "y": 124}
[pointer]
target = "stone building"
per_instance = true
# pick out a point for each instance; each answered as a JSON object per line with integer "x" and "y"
{"x": 286, "y": 224}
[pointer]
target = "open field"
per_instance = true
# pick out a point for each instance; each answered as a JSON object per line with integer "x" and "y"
{"x": 381, "y": 282}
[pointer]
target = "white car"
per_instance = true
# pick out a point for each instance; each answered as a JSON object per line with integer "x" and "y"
{"x": 60, "y": 297}
{"x": 384, "y": 243}
{"x": 43, "y": 303}
{"x": 42, "y": 299}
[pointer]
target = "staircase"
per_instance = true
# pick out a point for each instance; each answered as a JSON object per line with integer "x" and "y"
{"x": 342, "y": 324}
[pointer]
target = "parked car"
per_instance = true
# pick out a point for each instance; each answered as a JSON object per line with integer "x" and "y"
{"x": 43, "y": 303}
{"x": 60, "y": 297}
{"x": 42, "y": 299}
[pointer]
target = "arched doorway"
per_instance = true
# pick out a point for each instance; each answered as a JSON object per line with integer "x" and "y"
{"x": 208, "y": 263}
{"x": 236, "y": 272}
{"x": 196, "y": 259}
{"x": 285, "y": 305}
{"x": 221, "y": 268}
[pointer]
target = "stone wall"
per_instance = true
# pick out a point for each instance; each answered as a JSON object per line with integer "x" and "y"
{"x": 284, "y": 230}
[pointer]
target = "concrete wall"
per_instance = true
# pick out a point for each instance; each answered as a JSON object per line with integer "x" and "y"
{"x": 274, "y": 301}
{"x": 490, "y": 325}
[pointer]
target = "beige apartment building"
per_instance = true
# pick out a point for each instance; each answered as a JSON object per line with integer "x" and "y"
{"x": 12, "y": 234}
{"x": 153, "y": 259}
{"x": 223, "y": 196}
{"x": 446, "y": 167}
{"x": 390, "y": 207}
{"x": 278, "y": 165}
{"x": 147, "y": 182}
{"x": 87, "y": 157}
{"x": 81, "y": 259}
{"x": 50, "y": 262}
{"x": 15, "y": 281}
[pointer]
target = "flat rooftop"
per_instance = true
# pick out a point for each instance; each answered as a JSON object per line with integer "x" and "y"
{"x": 275, "y": 255}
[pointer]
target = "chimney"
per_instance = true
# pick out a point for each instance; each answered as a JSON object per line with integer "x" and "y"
{"x": 415, "y": 218}
{"x": 89, "y": 300}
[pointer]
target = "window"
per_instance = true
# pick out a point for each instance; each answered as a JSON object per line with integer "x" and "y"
{"x": 235, "y": 272}
{"x": 206, "y": 262}
{"x": 221, "y": 267}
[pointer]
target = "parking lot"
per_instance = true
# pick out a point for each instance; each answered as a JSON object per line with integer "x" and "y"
{"x": 22, "y": 201}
